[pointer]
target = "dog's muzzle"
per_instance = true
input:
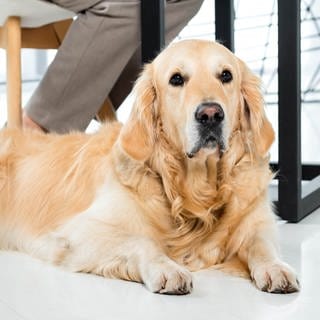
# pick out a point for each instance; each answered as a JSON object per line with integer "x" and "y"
{"x": 209, "y": 118}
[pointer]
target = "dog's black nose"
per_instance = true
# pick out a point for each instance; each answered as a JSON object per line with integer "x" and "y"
{"x": 209, "y": 113}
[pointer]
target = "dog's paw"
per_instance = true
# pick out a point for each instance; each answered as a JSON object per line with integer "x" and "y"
{"x": 275, "y": 277}
{"x": 168, "y": 278}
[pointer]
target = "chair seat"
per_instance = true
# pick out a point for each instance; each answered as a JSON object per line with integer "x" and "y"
{"x": 33, "y": 13}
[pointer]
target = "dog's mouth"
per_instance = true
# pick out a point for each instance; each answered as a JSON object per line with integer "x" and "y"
{"x": 210, "y": 143}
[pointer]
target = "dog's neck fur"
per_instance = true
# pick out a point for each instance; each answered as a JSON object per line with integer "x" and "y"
{"x": 188, "y": 186}
{"x": 193, "y": 193}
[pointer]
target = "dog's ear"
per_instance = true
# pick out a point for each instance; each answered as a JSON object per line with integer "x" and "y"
{"x": 138, "y": 134}
{"x": 253, "y": 118}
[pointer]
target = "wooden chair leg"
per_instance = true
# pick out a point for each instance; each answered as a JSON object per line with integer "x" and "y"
{"x": 13, "y": 54}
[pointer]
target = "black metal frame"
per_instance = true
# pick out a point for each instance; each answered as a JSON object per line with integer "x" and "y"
{"x": 309, "y": 171}
{"x": 290, "y": 188}
{"x": 152, "y": 28}
{"x": 224, "y": 16}
{"x": 295, "y": 200}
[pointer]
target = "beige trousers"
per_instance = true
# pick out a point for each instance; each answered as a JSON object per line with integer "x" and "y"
{"x": 99, "y": 57}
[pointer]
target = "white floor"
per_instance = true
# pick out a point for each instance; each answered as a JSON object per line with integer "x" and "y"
{"x": 32, "y": 290}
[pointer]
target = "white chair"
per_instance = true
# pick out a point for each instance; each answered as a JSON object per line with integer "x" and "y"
{"x": 32, "y": 24}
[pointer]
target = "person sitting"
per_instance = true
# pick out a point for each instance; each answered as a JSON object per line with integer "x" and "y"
{"x": 100, "y": 56}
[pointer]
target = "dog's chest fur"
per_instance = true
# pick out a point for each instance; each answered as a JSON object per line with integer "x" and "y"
{"x": 175, "y": 210}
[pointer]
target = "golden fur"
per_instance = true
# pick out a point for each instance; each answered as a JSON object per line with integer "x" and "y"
{"x": 127, "y": 202}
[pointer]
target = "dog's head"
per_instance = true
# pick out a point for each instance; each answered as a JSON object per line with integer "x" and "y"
{"x": 197, "y": 93}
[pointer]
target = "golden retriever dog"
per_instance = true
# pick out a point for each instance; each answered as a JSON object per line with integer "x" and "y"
{"x": 181, "y": 186}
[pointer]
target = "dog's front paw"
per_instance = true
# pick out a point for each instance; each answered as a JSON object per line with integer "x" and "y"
{"x": 168, "y": 278}
{"x": 277, "y": 277}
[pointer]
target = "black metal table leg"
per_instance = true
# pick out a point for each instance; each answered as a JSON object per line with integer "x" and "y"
{"x": 224, "y": 15}
{"x": 289, "y": 204}
{"x": 152, "y": 28}
{"x": 295, "y": 200}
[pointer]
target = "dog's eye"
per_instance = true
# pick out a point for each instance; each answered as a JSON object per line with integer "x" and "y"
{"x": 176, "y": 80}
{"x": 225, "y": 76}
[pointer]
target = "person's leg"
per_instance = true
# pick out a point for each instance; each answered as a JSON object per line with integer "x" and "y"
{"x": 95, "y": 51}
